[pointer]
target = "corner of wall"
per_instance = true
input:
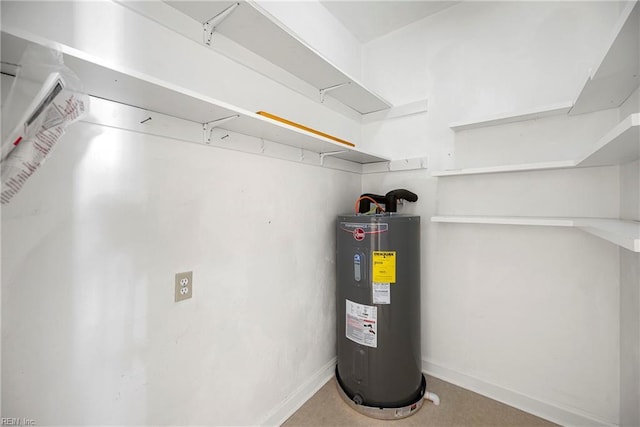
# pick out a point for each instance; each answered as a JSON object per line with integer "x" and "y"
{"x": 630, "y": 286}
{"x": 1, "y": 315}
{"x": 303, "y": 393}
{"x": 546, "y": 410}
{"x": 629, "y": 338}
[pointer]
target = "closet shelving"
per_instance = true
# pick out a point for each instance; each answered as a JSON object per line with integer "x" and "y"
{"x": 124, "y": 86}
{"x": 610, "y": 84}
{"x": 512, "y": 117}
{"x": 621, "y": 233}
{"x": 247, "y": 24}
{"x": 618, "y": 73}
{"x": 619, "y": 146}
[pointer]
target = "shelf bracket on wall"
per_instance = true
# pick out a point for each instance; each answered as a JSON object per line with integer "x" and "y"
{"x": 208, "y": 127}
{"x": 329, "y": 153}
{"x": 210, "y": 26}
{"x": 324, "y": 91}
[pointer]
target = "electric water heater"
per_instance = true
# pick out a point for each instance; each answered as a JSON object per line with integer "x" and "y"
{"x": 378, "y": 309}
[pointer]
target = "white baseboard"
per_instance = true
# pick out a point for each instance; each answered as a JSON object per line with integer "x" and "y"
{"x": 300, "y": 395}
{"x": 548, "y": 411}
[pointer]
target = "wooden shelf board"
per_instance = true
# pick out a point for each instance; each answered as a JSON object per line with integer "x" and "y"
{"x": 620, "y": 232}
{"x": 128, "y": 87}
{"x": 618, "y": 73}
{"x": 255, "y": 30}
{"x": 511, "y": 117}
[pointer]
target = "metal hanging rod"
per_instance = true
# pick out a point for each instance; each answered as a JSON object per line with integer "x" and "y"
{"x": 210, "y": 26}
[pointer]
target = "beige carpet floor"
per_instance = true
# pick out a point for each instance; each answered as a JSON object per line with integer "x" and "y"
{"x": 458, "y": 407}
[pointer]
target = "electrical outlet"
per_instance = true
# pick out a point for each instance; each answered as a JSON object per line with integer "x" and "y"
{"x": 184, "y": 285}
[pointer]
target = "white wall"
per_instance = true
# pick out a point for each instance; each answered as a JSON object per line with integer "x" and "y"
{"x": 91, "y": 334}
{"x": 529, "y": 315}
{"x": 527, "y": 310}
{"x": 114, "y": 215}
{"x": 630, "y": 288}
{"x": 629, "y": 338}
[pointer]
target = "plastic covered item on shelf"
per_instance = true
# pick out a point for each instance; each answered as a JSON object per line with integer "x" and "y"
{"x": 45, "y": 97}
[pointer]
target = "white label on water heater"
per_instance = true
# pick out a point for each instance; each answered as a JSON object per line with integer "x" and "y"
{"x": 381, "y": 293}
{"x": 362, "y": 324}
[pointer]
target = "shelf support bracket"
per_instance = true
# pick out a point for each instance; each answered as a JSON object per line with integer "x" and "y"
{"x": 324, "y": 91}
{"x": 329, "y": 153}
{"x": 208, "y": 127}
{"x": 210, "y": 26}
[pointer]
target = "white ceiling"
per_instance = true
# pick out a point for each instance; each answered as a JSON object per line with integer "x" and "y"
{"x": 369, "y": 19}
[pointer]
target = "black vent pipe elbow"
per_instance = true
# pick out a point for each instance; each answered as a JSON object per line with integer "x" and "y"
{"x": 389, "y": 200}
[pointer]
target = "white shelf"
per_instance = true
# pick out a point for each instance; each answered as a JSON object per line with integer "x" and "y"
{"x": 619, "y": 146}
{"x": 503, "y": 220}
{"x": 507, "y": 168}
{"x": 116, "y": 83}
{"x": 512, "y": 117}
{"x": 608, "y": 86}
{"x": 622, "y": 233}
{"x": 618, "y": 73}
{"x": 395, "y": 112}
{"x": 255, "y": 30}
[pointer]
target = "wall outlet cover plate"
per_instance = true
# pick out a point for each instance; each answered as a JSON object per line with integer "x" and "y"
{"x": 184, "y": 286}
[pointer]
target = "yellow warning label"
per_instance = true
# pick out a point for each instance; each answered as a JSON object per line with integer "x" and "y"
{"x": 384, "y": 267}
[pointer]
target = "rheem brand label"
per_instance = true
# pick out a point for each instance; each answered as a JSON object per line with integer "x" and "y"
{"x": 360, "y": 231}
{"x": 359, "y": 234}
